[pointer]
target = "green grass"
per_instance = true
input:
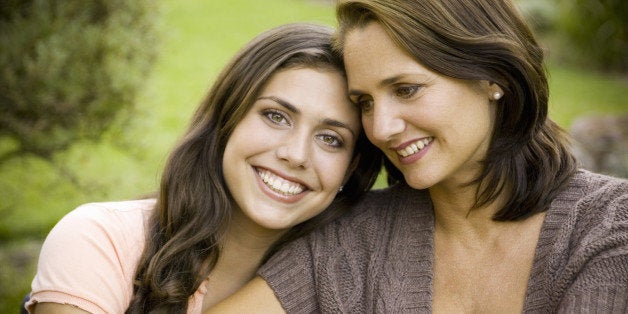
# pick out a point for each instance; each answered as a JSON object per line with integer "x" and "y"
{"x": 575, "y": 92}
{"x": 199, "y": 38}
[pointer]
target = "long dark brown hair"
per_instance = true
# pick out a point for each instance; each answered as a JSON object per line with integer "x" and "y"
{"x": 529, "y": 157}
{"x": 194, "y": 205}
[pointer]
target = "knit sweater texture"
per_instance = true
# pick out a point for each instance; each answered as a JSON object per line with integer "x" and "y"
{"x": 379, "y": 257}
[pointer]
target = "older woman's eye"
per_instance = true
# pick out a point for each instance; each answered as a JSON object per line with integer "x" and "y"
{"x": 406, "y": 91}
{"x": 365, "y": 103}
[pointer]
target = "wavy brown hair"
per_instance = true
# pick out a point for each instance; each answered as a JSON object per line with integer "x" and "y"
{"x": 529, "y": 157}
{"x": 194, "y": 205}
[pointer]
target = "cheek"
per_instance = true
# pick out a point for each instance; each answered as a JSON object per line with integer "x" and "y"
{"x": 332, "y": 169}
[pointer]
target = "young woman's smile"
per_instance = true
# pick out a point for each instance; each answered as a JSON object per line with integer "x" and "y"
{"x": 286, "y": 159}
{"x": 279, "y": 187}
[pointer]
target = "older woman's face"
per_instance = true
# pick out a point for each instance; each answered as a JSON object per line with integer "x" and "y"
{"x": 433, "y": 128}
{"x": 286, "y": 159}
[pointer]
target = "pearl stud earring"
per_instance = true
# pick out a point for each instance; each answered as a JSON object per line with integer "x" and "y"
{"x": 340, "y": 188}
{"x": 497, "y": 95}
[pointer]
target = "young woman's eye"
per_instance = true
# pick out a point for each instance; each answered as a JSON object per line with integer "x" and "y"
{"x": 331, "y": 140}
{"x": 275, "y": 117}
{"x": 406, "y": 91}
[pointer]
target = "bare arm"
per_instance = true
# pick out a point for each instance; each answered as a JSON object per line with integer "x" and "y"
{"x": 254, "y": 297}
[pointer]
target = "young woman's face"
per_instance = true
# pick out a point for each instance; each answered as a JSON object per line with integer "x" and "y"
{"x": 286, "y": 159}
{"x": 433, "y": 128}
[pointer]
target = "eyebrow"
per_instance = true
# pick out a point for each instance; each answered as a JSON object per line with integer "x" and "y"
{"x": 290, "y": 107}
{"x": 384, "y": 82}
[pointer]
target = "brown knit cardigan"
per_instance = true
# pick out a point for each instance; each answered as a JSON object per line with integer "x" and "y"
{"x": 379, "y": 257}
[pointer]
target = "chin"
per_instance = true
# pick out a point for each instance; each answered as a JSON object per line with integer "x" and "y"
{"x": 276, "y": 225}
{"x": 418, "y": 184}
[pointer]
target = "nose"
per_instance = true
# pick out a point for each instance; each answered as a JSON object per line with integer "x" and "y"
{"x": 294, "y": 150}
{"x": 386, "y": 122}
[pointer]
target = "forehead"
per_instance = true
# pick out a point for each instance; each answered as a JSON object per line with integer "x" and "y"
{"x": 308, "y": 85}
{"x": 316, "y": 93}
{"x": 370, "y": 53}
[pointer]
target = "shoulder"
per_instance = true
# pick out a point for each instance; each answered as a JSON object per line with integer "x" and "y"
{"x": 383, "y": 204}
{"x": 116, "y": 224}
{"x": 382, "y": 220}
{"x": 342, "y": 265}
{"x": 592, "y": 198}
{"x": 600, "y": 184}
{"x": 88, "y": 258}
{"x": 590, "y": 202}
{"x": 107, "y": 212}
{"x": 585, "y": 233}
{"x": 115, "y": 229}
{"x": 583, "y": 246}
{"x": 114, "y": 214}
{"x": 104, "y": 222}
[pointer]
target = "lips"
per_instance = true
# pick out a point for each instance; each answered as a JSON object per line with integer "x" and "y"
{"x": 414, "y": 147}
{"x": 280, "y": 184}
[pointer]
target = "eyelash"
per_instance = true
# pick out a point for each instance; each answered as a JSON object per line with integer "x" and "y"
{"x": 338, "y": 143}
{"x": 365, "y": 105}
{"x": 401, "y": 91}
{"x": 270, "y": 113}
{"x": 412, "y": 89}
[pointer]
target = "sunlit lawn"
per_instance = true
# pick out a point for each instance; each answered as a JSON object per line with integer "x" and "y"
{"x": 200, "y": 36}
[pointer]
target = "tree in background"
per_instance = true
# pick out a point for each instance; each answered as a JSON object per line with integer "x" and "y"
{"x": 70, "y": 70}
{"x": 598, "y": 32}
{"x": 590, "y": 33}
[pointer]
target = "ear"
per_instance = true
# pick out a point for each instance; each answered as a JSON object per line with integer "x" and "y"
{"x": 494, "y": 91}
{"x": 351, "y": 168}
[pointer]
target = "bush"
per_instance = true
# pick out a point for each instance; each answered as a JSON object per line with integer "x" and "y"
{"x": 598, "y": 32}
{"x": 70, "y": 69}
{"x": 541, "y": 14}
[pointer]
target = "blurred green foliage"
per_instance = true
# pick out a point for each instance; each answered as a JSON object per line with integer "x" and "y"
{"x": 590, "y": 33}
{"x": 598, "y": 32}
{"x": 69, "y": 69}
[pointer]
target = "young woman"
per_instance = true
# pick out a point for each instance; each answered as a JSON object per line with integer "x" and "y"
{"x": 275, "y": 142}
{"x": 487, "y": 211}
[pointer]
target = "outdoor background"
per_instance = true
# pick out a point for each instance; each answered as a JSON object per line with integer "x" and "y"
{"x": 195, "y": 40}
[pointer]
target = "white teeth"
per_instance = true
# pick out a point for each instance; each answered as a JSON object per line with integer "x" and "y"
{"x": 414, "y": 147}
{"x": 279, "y": 184}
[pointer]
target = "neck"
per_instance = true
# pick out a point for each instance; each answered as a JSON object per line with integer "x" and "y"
{"x": 245, "y": 244}
{"x": 242, "y": 250}
{"x": 455, "y": 215}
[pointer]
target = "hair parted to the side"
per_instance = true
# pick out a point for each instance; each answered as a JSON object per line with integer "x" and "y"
{"x": 529, "y": 156}
{"x": 194, "y": 205}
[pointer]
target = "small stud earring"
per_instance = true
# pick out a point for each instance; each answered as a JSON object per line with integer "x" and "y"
{"x": 340, "y": 188}
{"x": 497, "y": 95}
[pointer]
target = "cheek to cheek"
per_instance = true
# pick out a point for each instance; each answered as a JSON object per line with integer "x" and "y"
{"x": 367, "y": 125}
